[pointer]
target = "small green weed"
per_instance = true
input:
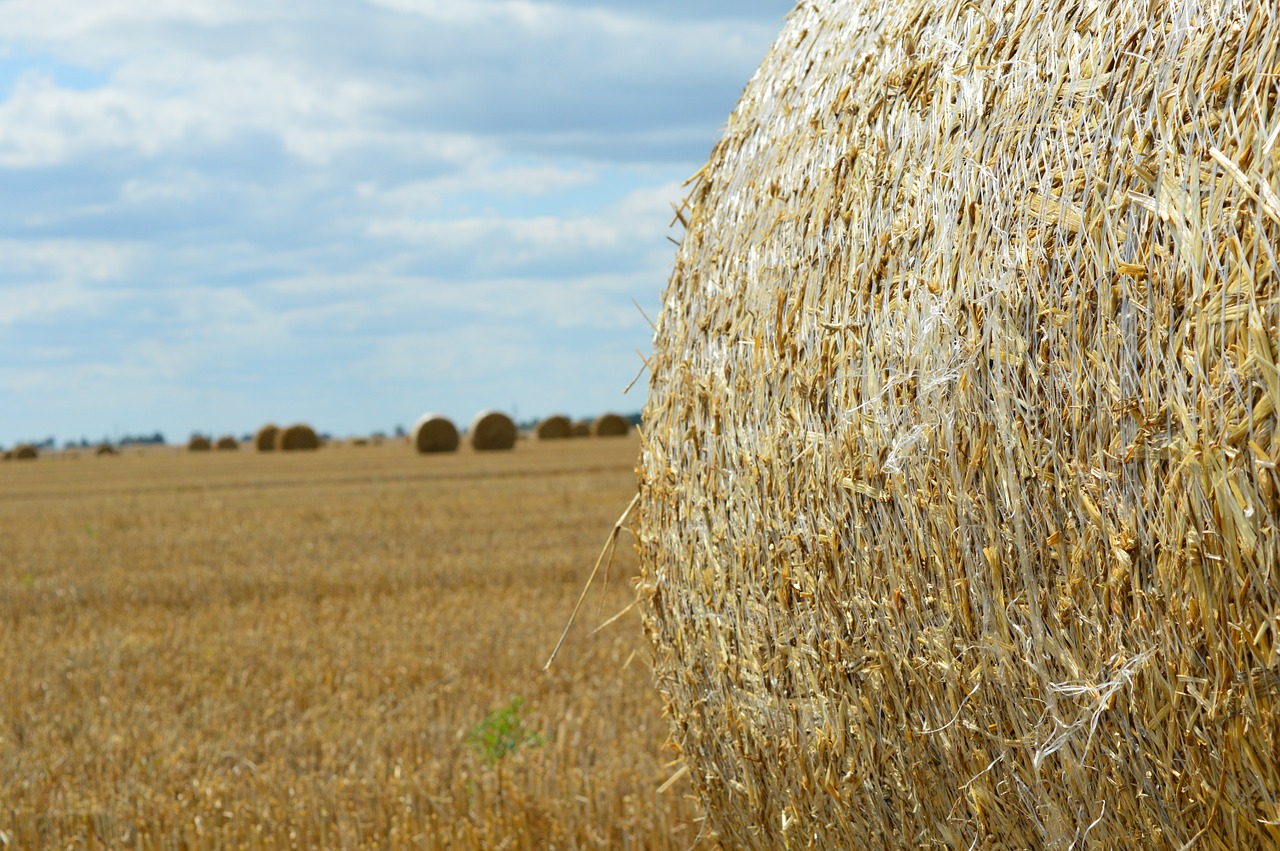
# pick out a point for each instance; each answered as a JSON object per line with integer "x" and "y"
{"x": 502, "y": 732}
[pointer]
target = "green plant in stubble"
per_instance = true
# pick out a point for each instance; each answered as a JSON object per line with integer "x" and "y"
{"x": 503, "y": 732}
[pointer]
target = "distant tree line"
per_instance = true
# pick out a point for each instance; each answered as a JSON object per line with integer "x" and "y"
{"x": 128, "y": 440}
{"x": 157, "y": 438}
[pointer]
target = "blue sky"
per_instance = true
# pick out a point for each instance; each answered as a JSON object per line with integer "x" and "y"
{"x": 215, "y": 213}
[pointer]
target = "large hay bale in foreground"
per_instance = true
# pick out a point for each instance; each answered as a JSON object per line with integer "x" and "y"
{"x": 958, "y": 514}
{"x": 610, "y": 425}
{"x": 434, "y": 433}
{"x": 199, "y": 443}
{"x": 299, "y": 437}
{"x": 554, "y": 427}
{"x": 492, "y": 430}
{"x": 264, "y": 439}
{"x": 226, "y": 443}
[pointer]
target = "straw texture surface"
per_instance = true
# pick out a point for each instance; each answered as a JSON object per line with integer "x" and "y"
{"x": 264, "y": 439}
{"x": 610, "y": 425}
{"x": 555, "y": 427}
{"x": 958, "y": 513}
{"x": 492, "y": 430}
{"x": 299, "y": 437}
{"x": 435, "y": 433}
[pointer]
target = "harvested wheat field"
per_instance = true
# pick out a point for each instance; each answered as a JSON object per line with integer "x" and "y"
{"x": 342, "y": 650}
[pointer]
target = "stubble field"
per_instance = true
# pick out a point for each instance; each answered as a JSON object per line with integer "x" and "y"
{"x": 339, "y": 649}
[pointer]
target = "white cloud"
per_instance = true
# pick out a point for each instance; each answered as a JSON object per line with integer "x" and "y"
{"x": 67, "y": 259}
{"x": 45, "y": 279}
{"x": 501, "y": 243}
{"x": 478, "y": 178}
{"x": 324, "y": 81}
{"x": 52, "y": 21}
{"x": 150, "y": 189}
{"x": 156, "y": 109}
{"x": 256, "y": 203}
{"x": 591, "y": 301}
{"x": 472, "y": 12}
{"x": 30, "y": 302}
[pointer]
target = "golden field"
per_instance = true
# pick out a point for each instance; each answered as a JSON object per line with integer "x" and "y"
{"x": 242, "y": 650}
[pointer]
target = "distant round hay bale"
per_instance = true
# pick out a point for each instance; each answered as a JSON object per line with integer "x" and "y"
{"x": 199, "y": 443}
{"x": 106, "y": 449}
{"x": 24, "y": 452}
{"x": 225, "y": 443}
{"x": 264, "y": 439}
{"x": 492, "y": 430}
{"x": 555, "y": 427}
{"x": 434, "y": 433}
{"x": 297, "y": 438}
{"x": 581, "y": 428}
{"x": 359, "y": 441}
{"x": 610, "y": 425}
{"x": 959, "y": 515}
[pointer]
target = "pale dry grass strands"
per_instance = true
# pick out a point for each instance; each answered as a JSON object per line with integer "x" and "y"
{"x": 605, "y": 558}
{"x": 299, "y": 437}
{"x": 434, "y": 433}
{"x": 555, "y": 427}
{"x": 264, "y": 439}
{"x": 199, "y": 443}
{"x": 492, "y": 430}
{"x": 959, "y": 500}
{"x": 226, "y": 443}
{"x": 610, "y": 425}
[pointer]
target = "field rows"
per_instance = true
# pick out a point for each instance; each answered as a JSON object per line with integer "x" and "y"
{"x": 233, "y": 650}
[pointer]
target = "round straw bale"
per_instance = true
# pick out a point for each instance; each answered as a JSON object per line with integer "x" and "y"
{"x": 226, "y": 442}
{"x": 492, "y": 430}
{"x": 264, "y": 439}
{"x": 435, "y": 433}
{"x": 959, "y": 504}
{"x": 106, "y": 449}
{"x": 610, "y": 425}
{"x": 297, "y": 438}
{"x": 555, "y": 427}
{"x": 199, "y": 443}
{"x": 24, "y": 452}
{"x": 582, "y": 428}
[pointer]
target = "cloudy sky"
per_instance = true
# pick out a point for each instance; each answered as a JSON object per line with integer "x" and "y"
{"x": 215, "y": 213}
